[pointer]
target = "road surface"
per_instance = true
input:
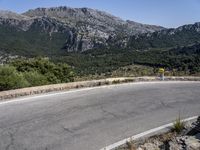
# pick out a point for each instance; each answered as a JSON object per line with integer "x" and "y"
{"x": 93, "y": 118}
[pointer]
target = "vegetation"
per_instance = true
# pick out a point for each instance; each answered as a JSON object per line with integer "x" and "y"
{"x": 10, "y": 78}
{"x": 113, "y": 62}
{"x": 166, "y": 38}
{"x": 33, "y": 72}
{"x": 99, "y": 63}
{"x": 178, "y": 125}
{"x": 34, "y": 42}
{"x": 134, "y": 70}
{"x": 131, "y": 145}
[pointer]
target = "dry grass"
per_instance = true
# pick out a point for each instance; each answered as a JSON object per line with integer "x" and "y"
{"x": 178, "y": 125}
{"x": 131, "y": 145}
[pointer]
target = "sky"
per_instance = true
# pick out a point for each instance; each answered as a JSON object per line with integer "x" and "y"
{"x": 167, "y": 13}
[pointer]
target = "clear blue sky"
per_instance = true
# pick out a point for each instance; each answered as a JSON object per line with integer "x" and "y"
{"x": 168, "y": 13}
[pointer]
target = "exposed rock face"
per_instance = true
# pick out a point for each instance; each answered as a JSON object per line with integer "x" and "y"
{"x": 85, "y": 28}
{"x": 81, "y": 29}
{"x": 90, "y": 18}
{"x": 12, "y": 15}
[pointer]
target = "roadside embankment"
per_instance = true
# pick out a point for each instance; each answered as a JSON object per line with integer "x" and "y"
{"x": 73, "y": 85}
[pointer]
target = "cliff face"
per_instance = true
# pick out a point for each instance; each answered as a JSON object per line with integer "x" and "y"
{"x": 98, "y": 20}
{"x": 51, "y": 30}
{"x": 83, "y": 28}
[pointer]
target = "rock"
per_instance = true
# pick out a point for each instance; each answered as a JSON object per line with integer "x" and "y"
{"x": 175, "y": 144}
{"x": 192, "y": 143}
{"x": 155, "y": 145}
{"x": 184, "y": 143}
{"x": 197, "y": 136}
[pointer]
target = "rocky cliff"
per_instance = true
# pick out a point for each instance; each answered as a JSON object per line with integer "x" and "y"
{"x": 82, "y": 28}
{"x": 50, "y": 31}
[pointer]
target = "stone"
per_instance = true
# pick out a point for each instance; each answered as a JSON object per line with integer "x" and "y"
{"x": 192, "y": 143}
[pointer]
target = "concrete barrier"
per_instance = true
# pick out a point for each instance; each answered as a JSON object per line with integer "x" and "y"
{"x": 66, "y": 86}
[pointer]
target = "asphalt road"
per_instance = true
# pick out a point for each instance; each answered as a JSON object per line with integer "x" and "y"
{"x": 93, "y": 118}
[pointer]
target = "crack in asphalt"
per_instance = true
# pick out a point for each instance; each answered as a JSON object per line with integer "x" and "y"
{"x": 108, "y": 113}
{"x": 68, "y": 130}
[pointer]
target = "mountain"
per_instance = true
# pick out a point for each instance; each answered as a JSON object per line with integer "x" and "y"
{"x": 58, "y": 29}
{"x": 86, "y": 19}
{"x": 166, "y": 38}
{"x": 95, "y": 42}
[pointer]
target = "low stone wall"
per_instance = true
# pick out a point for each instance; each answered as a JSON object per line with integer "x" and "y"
{"x": 186, "y": 78}
{"x": 66, "y": 86}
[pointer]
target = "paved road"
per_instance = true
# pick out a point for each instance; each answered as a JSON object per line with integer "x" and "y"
{"x": 93, "y": 118}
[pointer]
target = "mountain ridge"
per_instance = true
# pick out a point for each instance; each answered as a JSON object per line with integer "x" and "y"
{"x": 57, "y": 29}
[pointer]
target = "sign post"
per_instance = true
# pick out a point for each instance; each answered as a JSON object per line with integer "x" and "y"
{"x": 161, "y": 73}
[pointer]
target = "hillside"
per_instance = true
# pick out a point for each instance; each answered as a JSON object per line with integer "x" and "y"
{"x": 95, "y": 42}
{"x": 179, "y": 61}
{"x": 57, "y": 30}
{"x": 50, "y": 31}
{"x": 181, "y": 36}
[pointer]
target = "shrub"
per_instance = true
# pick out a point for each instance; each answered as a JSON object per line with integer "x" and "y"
{"x": 11, "y": 79}
{"x": 35, "y": 79}
{"x": 55, "y": 73}
{"x": 33, "y": 72}
{"x": 64, "y": 72}
{"x": 52, "y": 78}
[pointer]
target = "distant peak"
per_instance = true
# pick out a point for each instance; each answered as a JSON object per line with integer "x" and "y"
{"x": 11, "y": 15}
{"x": 60, "y": 8}
{"x": 84, "y": 10}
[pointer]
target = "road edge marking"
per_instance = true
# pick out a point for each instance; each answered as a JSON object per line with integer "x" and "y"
{"x": 140, "y": 135}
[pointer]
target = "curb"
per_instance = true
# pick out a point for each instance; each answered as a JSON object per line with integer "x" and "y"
{"x": 143, "y": 134}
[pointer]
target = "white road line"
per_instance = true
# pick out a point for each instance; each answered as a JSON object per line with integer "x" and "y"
{"x": 140, "y": 135}
{"x": 34, "y": 97}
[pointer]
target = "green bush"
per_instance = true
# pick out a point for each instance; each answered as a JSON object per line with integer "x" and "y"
{"x": 64, "y": 73}
{"x": 33, "y": 72}
{"x": 52, "y": 78}
{"x": 35, "y": 79}
{"x": 11, "y": 79}
{"x": 55, "y": 73}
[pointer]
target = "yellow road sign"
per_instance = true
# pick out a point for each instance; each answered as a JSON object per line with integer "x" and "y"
{"x": 161, "y": 70}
